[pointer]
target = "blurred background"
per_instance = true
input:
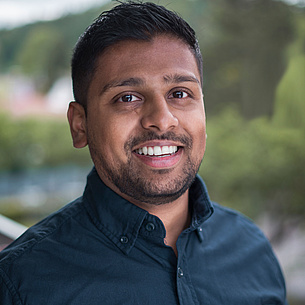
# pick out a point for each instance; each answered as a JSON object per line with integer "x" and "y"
{"x": 254, "y": 87}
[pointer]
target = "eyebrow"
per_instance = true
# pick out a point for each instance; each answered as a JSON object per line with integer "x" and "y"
{"x": 132, "y": 81}
{"x": 178, "y": 78}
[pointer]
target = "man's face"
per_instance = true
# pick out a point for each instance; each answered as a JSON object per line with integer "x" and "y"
{"x": 145, "y": 123}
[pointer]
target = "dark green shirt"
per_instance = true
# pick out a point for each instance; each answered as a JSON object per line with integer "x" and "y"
{"x": 102, "y": 249}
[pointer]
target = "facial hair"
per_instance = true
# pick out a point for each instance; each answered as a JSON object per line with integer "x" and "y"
{"x": 127, "y": 177}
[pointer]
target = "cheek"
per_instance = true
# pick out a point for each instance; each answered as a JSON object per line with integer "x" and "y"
{"x": 196, "y": 127}
{"x": 194, "y": 124}
{"x": 108, "y": 132}
{"x": 117, "y": 131}
{"x": 201, "y": 137}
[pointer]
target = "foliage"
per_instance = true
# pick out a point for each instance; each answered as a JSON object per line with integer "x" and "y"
{"x": 255, "y": 166}
{"x": 290, "y": 94}
{"x": 42, "y": 50}
{"x": 246, "y": 58}
{"x": 290, "y": 99}
{"x": 44, "y": 56}
{"x": 33, "y": 143}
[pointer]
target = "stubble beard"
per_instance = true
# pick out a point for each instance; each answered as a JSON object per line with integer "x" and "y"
{"x": 153, "y": 190}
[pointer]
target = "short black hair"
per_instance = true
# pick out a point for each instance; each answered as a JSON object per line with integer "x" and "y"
{"x": 128, "y": 20}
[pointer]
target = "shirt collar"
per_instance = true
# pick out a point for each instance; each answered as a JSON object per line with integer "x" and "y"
{"x": 116, "y": 217}
{"x": 200, "y": 203}
{"x": 121, "y": 220}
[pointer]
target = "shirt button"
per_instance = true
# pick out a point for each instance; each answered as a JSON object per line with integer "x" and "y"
{"x": 124, "y": 239}
{"x": 180, "y": 272}
{"x": 150, "y": 226}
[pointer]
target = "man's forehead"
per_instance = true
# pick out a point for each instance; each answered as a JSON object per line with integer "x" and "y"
{"x": 127, "y": 55}
{"x": 124, "y": 46}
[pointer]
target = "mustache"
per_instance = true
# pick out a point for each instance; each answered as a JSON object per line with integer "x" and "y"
{"x": 151, "y": 135}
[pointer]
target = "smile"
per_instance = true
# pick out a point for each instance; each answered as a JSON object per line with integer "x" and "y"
{"x": 160, "y": 151}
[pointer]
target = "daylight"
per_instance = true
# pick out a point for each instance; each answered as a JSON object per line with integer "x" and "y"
{"x": 18, "y": 12}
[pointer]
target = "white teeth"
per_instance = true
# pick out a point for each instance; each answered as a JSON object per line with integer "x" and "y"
{"x": 157, "y": 150}
{"x": 150, "y": 151}
{"x": 165, "y": 150}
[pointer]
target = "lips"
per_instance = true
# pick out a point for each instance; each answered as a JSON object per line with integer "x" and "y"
{"x": 159, "y": 151}
{"x": 159, "y": 156}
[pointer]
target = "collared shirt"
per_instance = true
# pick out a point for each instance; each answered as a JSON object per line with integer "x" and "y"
{"x": 102, "y": 249}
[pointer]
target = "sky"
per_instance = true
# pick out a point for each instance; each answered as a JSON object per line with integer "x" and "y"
{"x": 19, "y": 12}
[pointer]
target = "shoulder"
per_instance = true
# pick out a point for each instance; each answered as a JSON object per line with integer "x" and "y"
{"x": 240, "y": 254}
{"x": 233, "y": 231}
{"x": 46, "y": 229}
{"x": 229, "y": 227}
{"x": 224, "y": 217}
{"x": 27, "y": 257}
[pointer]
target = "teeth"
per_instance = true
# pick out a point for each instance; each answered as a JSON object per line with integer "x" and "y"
{"x": 165, "y": 150}
{"x": 156, "y": 150}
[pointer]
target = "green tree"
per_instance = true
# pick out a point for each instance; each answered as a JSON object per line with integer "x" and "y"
{"x": 256, "y": 166}
{"x": 247, "y": 58}
{"x": 290, "y": 94}
{"x": 33, "y": 142}
{"x": 44, "y": 56}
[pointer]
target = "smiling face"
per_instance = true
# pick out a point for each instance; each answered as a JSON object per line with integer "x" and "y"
{"x": 145, "y": 123}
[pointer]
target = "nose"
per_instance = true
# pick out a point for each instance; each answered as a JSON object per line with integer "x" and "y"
{"x": 158, "y": 116}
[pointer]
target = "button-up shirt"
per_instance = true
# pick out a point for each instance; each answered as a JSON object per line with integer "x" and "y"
{"x": 102, "y": 249}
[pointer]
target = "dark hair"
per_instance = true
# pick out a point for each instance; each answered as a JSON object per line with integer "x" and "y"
{"x": 128, "y": 20}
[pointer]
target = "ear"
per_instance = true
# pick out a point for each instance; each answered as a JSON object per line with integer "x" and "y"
{"x": 77, "y": 121}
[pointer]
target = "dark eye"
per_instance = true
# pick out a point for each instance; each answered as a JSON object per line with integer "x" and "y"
{"x": 179, "y": 94}
{"x": 127, "y": 98}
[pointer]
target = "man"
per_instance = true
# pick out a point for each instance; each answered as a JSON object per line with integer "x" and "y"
{"x": 145, "y": 231}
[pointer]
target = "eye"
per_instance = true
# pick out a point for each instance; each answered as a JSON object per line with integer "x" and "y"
{"x": 179, "y": 94}
{"x": 128, "y": 98}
